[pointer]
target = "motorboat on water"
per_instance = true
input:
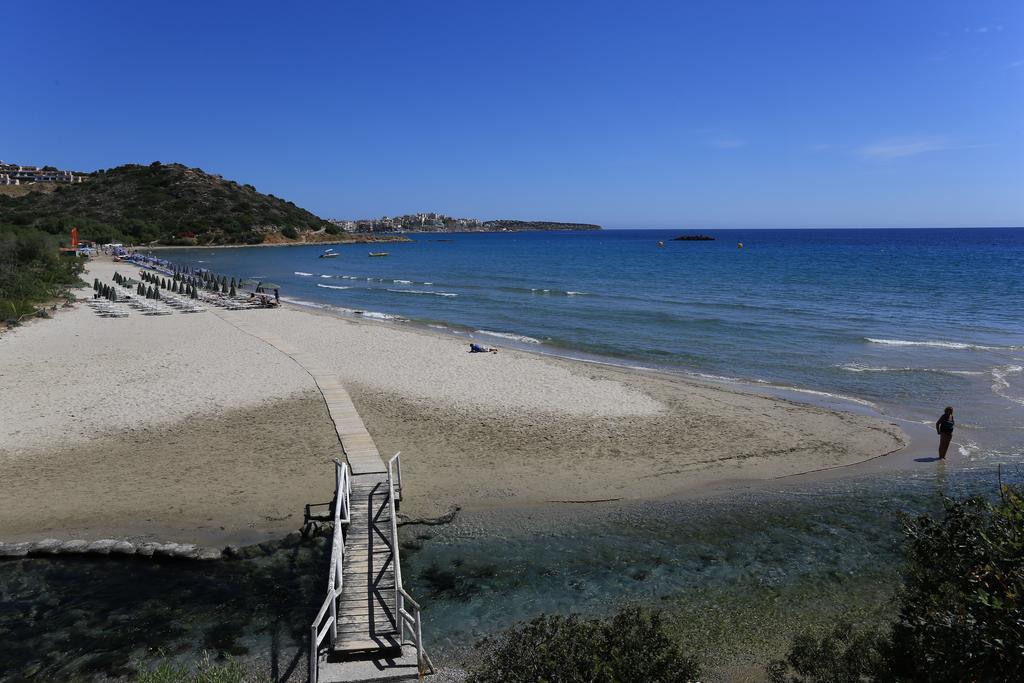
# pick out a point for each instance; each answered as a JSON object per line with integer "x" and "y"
{"x": 330, "y": 253}
{"x": 378, "y": 253}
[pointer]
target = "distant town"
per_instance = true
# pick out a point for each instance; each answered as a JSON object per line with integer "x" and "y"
{"x": 438, "y": 222}
{"x": 15, "y": 174}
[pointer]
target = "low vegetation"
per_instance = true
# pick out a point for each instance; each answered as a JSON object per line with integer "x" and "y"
{"x": 960, "y": 609}
{"x": 205, "y": 671}
{"x": 33, "y": 273}
{"x": 631, "y": 646}
{"x": 160, "y": 203}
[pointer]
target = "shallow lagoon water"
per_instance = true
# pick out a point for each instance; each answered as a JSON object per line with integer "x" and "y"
{"x": 481, "y": 574}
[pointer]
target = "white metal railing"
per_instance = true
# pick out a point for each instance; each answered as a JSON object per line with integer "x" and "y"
{"x": 407, "y": 610}
{"x": 320, "y": 629}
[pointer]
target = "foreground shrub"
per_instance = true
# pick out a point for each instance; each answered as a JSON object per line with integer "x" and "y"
{"x": 631, "y": 646}
{"x": 842, "y": 655}
{"x": 206, "y": 671}
{"x": 961, "y": 606}
{"x": 961, "y": 611}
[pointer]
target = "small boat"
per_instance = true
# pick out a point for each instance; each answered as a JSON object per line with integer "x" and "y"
{"x": 378, "y": 253}
{"x": 330, "y": 253}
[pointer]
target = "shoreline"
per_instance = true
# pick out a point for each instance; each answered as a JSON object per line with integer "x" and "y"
{"x": 235, "y": 441}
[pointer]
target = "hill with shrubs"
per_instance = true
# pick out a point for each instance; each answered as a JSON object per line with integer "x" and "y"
{"x": 164, "y": 204}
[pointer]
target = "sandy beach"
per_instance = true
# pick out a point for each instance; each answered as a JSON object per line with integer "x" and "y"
{"x": 185, "y": 428}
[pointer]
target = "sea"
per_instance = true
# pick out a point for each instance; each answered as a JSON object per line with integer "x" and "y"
{"x": 897, "y": 323}
{"x": 906, "y": 320}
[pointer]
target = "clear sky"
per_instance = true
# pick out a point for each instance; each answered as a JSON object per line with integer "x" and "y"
{"x": 690, "y": 114}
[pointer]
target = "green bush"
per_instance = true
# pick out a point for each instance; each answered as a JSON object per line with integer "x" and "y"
{"x": 32, "y": 271}
{"x": 844, "y": 654}
{"x": 631, "y": 646}
{"x": 960, "y": 607}
{"x": 290, "y": 232}
{"x": 205, "y": 671}
{"x": 961, "y": 611}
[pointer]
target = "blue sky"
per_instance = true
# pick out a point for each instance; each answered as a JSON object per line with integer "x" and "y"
{"x": 628, "y": 114}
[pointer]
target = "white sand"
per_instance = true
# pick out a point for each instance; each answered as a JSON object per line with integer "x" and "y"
{"x": 185, "y": 423}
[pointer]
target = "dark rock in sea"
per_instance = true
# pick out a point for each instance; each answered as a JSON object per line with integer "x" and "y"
{"x": 269, "y": 547}
{"x": 693, "y": 238}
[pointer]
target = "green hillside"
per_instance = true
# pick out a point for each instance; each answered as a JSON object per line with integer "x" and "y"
{"x": 164, "y": 203}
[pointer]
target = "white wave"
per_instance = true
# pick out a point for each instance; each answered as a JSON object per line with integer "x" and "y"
{"x": 572, "y": 293}
{"x": 942, "y": 344}
{"x": 508, "y": 335}
{"x": 428, "y": 283}
{"x": 299, "y": 272}
{"x": 1001, "y": 385}
{"x": 302, "y": 302}
{"x": 377, "y": 316}
{"x": 332, "y": 286}
{"x": 438, "y": 327}
{"x": 860, "y": 367}
{"x": 327, "y": 276}
{"x": 967, "y": 448}
{"x": 402, "y": 282}
{"x": 826, "y": 394}
{"x": 421, "y": 291}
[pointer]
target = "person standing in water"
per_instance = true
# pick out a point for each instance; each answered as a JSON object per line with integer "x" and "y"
{"x": 944, "y": 428}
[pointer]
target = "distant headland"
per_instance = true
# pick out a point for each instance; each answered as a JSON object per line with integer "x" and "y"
{"x": 174, "y": 205}
{"x": 438, "y": 222}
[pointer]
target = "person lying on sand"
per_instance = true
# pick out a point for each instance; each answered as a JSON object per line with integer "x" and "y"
{"x": 476, "y": 348}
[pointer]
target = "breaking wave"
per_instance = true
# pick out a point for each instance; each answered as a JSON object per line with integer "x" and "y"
{"x": 422, "y": 291}
{"x": 299, "y": 272}
{"x": 333, "y": 286}
{"x": 1001, "y": 385}
{"x": 508, "y": 335}
{"x": 860, "y": 367}
{"x": 942, "y": 344}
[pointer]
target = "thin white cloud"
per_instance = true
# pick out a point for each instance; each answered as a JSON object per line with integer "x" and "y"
{"x": 896, "y": 148}
{"x": 1015, "y": 65}
{"x": 821, "y": 147}
{"x": 984, "y": 29}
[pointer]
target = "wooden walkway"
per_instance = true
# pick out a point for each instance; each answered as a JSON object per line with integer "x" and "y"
{"x": 368, "y": 618}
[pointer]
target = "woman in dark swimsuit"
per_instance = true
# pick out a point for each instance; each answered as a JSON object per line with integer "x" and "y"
{"x": 944, "y": 428}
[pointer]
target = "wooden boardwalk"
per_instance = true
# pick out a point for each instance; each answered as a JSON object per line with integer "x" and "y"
{"x": 373, "y": 612}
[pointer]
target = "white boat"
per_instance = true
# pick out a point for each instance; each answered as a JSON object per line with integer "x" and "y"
{"x": 330, "y": 253}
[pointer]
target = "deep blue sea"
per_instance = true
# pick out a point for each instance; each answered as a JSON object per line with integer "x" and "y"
{"x": 909, "y": 320}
